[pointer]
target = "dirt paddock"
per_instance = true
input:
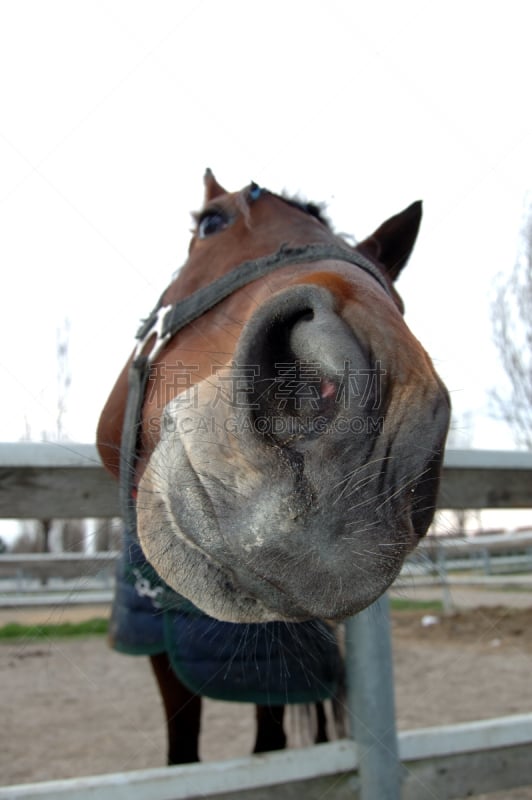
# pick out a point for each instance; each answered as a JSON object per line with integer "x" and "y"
{"x": 74, "y": 707}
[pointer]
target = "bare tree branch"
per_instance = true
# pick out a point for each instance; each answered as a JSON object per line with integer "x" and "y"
{"x": 511, "y": 314}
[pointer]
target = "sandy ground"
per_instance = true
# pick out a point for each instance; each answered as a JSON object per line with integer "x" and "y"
{"x": 72, "y": 708}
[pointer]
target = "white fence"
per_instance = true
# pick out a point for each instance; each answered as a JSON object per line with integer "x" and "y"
{"x": 47, "y": 480}
{"x": 51, "y": 480}
{"x": 452, "y": 761}
{"x": 504, "y": 560}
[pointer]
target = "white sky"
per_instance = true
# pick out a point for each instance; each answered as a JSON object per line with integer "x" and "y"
{"x": 110, "y": 112}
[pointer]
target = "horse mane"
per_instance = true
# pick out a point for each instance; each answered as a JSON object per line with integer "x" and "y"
{"x": 316, "y": 210}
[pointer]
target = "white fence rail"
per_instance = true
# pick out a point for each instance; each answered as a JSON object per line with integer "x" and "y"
{"x": 52, "y": 481}
{"x": 431, "y": 564}
{"x": 47, "y": 480}
{"x": 451, "y": 761}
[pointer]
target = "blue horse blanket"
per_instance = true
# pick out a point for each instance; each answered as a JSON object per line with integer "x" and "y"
{"x": 270, "y": 663}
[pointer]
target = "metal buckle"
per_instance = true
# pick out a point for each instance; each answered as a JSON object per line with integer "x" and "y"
{"x": 144, "y": 588}
{"x": 155, "y": 328}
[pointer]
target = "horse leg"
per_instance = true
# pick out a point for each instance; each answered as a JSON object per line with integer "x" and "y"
{"x": 321, "y": 723}
{"x": 183, "y": 712}
{"x": 270, "y": 732}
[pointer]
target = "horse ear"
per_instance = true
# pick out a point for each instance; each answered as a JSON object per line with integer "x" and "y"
{"x": 392, "y": 243}
{"x": 212, "y": 187}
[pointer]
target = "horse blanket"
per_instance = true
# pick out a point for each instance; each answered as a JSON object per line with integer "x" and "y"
{"x": 272, "y": 663}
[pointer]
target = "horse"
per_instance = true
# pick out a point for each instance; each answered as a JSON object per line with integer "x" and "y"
{"x": 278, "y": 435}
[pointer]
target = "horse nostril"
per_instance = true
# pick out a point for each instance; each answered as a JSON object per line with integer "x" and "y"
{"x": 326, "y": 340}
{"x": 307, "y": 366}
{"x": 290, "y": 383}
{"x": 328, "y": 389}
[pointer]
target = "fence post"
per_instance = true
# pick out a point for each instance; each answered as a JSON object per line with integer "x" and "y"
{"x": 441, "y": 571}
{"x": 371, "y": 702}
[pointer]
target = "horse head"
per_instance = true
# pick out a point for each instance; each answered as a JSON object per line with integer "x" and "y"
{"x": 291, "y": 435}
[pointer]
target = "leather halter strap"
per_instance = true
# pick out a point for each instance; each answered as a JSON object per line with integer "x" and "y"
{"x": 166, "y": 321}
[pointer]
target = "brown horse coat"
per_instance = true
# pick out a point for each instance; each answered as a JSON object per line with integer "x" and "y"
{"x": 292, "y": 436}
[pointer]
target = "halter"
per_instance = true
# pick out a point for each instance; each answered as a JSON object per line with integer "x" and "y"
{"x": 166, "y": 321}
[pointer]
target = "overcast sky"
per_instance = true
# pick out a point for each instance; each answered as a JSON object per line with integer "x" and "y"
{"x": 110, "y": 112}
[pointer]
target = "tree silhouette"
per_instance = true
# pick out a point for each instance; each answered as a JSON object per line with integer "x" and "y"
{"x": 511, "y": 314}
{"x": 70, "y": 532}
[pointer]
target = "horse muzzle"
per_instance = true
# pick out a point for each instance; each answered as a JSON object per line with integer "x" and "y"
{"x": 308, "y": 374}
{"x": 295, "y": 481}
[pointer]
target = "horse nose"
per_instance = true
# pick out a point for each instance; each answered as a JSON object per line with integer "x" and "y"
{"x": 319, "y": 336}
{"x": 309, "y": 368}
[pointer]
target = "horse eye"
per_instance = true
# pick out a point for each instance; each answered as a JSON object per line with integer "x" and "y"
{"x": 211, "y": 222}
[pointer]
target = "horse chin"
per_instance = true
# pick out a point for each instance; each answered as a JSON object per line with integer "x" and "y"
{"x": 253, "y": 532}
{"x": 255, "y": 584}
{"x": 186, "y": 568}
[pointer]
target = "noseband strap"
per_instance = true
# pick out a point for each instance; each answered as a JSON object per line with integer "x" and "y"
{"x": 196, "y": 304}
{"x": 185, "y": 311}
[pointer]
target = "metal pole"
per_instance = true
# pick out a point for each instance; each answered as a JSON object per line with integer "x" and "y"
{"x": 371, "y": 701}
{"x": 441, "y": 561}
